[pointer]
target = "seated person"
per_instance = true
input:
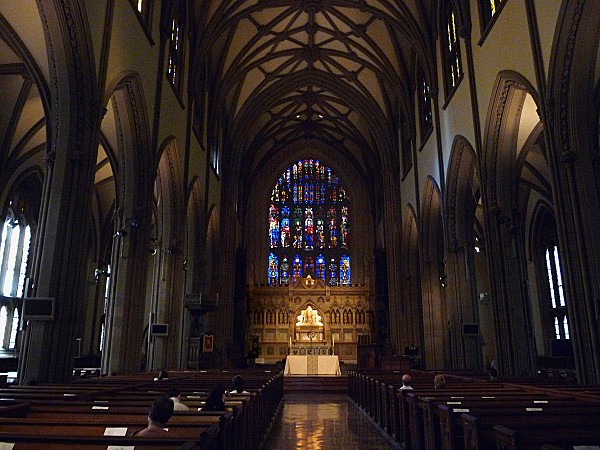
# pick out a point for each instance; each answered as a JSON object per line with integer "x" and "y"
{"x": 439, "y": 381}
{"x": 162, "y": 376}
{"x": 238, "y": 385}
{"x": 494, "y": 371}
{"x": 160, "y": 413}
{"x": 175, "y": 395}
{"x": 215, "y": 401}
{"x": 406, "y": 382}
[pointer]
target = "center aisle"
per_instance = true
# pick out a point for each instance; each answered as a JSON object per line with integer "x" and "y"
{"x": 322, "y": 422}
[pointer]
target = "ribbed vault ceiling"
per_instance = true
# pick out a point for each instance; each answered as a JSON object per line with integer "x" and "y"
{"x": 329, "y": 73}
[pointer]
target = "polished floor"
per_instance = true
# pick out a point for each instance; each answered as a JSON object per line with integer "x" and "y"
{"x": 322, "y": 422}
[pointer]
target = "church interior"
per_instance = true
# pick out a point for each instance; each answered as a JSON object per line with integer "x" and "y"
{"x": 218, "y": 184}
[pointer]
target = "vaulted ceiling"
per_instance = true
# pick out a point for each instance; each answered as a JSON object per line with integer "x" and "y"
{"x": 332, "y": 74}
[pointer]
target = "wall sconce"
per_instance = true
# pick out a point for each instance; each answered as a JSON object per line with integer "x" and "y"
{"x": 477, "y": 245}
{"x": 133, "y": 223}
{"x": 153, "y": 246}
{"x": 171, "y": 248}
{"x": 121, "y": 232}
{"x": 442, "y": 272}
{"x": 443, "y": 279}
{"x": 484, "y": 298}
{"x": 98, "y": 273}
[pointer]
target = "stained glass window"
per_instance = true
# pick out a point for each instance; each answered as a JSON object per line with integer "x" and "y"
{"x": 273, "y": 269}
{"x": 345, "y": 269}
{"x": 425, "y": 114}
{"x": 176, "y": 49}
{"x": 489, "y": 9}
{"x": 451, "y": 51}
{"x": 557, "y": 297}
{"x": 143, "y": 10}
{"x": 309, "y": 226}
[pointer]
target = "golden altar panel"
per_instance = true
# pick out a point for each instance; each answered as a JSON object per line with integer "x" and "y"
{"x": 307, "y": 314}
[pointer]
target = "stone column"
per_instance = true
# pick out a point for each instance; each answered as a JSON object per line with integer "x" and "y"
{"x": 392, "y": 221}
{"x": 514, "y": 334}
{"x": 58, "y": 269}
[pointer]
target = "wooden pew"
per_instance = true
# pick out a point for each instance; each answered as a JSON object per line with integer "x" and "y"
{"x": 533, "y": 437}
{"x": 479, "y": 430}
{"x": 437, "y": 424}
{"x": 67, "y": 409}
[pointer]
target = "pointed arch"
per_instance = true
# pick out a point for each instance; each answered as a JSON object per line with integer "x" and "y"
{"x": 212, "y": 258}
{"x": 433, "y": 278}
{"x": 195, "y": 234}
{"x": 411, "y": 306}
{"x": 576, "y": 173}
{"x": 462, "y": 200}
{"x": 501, "y": 133}
{"x": 504, "y": 223}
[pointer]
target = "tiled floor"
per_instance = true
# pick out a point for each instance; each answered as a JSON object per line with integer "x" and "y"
{"x": 322, "y": 422}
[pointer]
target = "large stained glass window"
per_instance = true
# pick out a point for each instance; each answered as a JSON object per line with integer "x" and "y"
{"x": 309, "y": 226}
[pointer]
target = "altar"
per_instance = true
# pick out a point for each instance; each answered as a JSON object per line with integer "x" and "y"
{"x": 312, "y": 365}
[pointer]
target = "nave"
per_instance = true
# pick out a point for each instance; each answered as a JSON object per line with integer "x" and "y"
{"x": 322, "y": 421}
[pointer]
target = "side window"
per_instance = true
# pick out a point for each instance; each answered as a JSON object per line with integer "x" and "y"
{"x": 143, "y": 11}
{"x": 488, "y": 11}
{"x": 425, "y": 114}
{"x": 451, "y": 56}
{"x": 14, "y": 253}
{"x": 177, "y": 49}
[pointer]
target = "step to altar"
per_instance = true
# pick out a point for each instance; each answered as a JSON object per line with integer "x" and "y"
{"x": 316, "y": 384}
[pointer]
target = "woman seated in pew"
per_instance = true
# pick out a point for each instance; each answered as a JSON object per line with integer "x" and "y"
{"x": 215, "y": 401}
{"x": 160, "y": 413}
{"x": 238, "y": 385}
{"x": 162, "y": 376}
{"x": 175, "y": 395}
{"x": 494, "y": 371}
{"x": 439, "y": 381}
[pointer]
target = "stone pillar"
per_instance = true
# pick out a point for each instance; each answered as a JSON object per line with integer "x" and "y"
{"x": 392, "y": 221}
{"x": 573, "y": 158}
{"x": 228, "y": 244}
{"x": 514, "y": 334}
{"x": 58, "y": 265}
{"x": 126, "y": 315}
{"x": 462, "y": 309}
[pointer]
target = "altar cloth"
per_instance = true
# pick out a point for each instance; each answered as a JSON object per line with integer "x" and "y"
{"x": 312, "y": 365}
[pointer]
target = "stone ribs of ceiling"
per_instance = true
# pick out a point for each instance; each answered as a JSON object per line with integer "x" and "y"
{"x": 328, "y": 71}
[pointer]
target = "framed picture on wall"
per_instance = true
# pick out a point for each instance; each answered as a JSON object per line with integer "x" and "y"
{"x": 208, "y": 343}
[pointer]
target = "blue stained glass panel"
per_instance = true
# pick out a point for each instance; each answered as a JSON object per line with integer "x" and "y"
{"x": 273, "y": 270}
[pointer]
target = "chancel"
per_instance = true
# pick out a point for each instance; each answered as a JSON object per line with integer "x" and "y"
{"x": 408, "y": 185}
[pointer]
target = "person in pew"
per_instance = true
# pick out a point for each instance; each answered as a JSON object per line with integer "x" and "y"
{"x": 493, "y": 371}
{"x": 406, "y": 382}
{"x": 439, "y": 381}
{"x": 175, "y": 395}
{"x": 238, "y": 385}
{"x": 160, "y": 413}
{"x": 162, "y": 376}
{"x": 215, "y": 401}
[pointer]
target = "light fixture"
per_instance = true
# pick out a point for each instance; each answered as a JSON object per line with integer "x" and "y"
{"x": 121, "y": 232}
{"x": 133, "y": 223}
{"x": 154, "y": 246}
{"x": 98, "y": 273}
